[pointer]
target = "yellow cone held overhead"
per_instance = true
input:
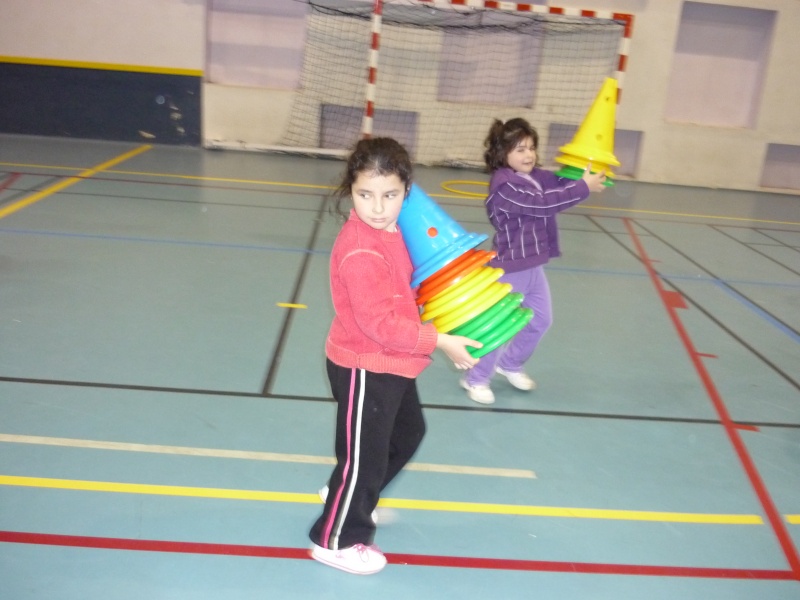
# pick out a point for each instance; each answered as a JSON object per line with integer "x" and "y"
{"x": 594, "y": 140}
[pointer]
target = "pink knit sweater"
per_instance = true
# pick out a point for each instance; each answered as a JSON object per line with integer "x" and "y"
{"x": 377, "y": 325}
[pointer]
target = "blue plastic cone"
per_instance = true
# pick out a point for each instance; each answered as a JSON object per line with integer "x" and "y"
{"x": 432, "y": 237}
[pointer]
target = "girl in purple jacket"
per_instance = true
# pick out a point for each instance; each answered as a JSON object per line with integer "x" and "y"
{"x": 522, "y": 205}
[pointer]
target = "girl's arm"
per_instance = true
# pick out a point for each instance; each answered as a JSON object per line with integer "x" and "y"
{"x": 378, "y": 310}
{"x": 374, "y": 305}
{"x": 514, "y": 194}
{"x": 455, "y": 347}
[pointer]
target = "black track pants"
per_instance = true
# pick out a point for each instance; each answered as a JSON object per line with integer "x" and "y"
{"x": 379, "y": 426}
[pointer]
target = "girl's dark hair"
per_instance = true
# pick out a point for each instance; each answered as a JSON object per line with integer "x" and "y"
{"x": 377, "y": 156}
{"x": 503, "y": 138}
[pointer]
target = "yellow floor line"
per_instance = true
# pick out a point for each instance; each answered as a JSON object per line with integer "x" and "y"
{"x": 178, "y": 176}
{"x": 457, "y": 196}
{"x": 225, "y": 179}
{"x": 157, "y": 490}
{"x": 793, "y": 519}
{"x": 574, "y": 513}
{"x": 691, "y": 215}
{"x": 65, "y": 183}
{"x": 463, "y": 507}
{"x": 32, "y": 166}
{"x": 250, "y": 455}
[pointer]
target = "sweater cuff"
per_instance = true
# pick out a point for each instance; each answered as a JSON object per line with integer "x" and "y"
{"x": 426, "y": 343}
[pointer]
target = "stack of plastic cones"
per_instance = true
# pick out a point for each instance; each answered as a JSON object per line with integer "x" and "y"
{"x": 593, "y": 144}
{"x": 458, "y": 292}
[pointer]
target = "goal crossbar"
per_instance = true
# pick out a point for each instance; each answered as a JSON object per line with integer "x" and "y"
{"x": 435, "y": 73}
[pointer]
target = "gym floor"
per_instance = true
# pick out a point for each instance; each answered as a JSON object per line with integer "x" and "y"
{"x": 166, "y": 420}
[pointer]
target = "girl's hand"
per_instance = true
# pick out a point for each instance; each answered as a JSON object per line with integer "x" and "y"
{"x": 455, "y": 347}
{"x": 594, "y": 180}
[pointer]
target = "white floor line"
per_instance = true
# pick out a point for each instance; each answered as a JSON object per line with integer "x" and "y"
{"x": 250, "y": 455}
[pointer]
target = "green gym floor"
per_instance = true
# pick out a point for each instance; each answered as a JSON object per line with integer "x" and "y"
{"x": 166, "y": 421}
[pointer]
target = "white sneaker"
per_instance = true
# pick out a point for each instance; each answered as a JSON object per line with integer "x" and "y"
{"x": 323, "y": 494}
{"x": 481, "y": 394}
{"x": 358, "y": 559}
{"x": 519, "y": 379}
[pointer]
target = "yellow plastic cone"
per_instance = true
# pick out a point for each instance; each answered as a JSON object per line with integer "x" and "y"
{"x": 594, "y": 140}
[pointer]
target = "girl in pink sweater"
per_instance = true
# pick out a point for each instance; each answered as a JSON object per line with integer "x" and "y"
{"x": 375, "y": 349}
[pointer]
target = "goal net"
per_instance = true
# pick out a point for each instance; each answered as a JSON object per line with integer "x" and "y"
{"x": 433, "y": 74}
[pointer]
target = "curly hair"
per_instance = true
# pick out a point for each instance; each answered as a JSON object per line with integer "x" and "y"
{"x": 377, "y": 156}
{"x": 503, "y": 138}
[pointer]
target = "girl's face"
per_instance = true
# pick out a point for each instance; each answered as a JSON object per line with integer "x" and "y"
{"x": 522, "y": 157}
{"x": 378, "y": 199}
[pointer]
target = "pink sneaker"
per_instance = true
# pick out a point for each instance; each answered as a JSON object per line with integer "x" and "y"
{"x": 358, "y": 559}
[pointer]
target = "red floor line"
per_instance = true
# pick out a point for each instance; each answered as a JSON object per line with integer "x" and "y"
{"x": 743, "y": 427}
{"x": 9, "y": 181}
{"x": 420, "y": 560}
{"x": 732, "y": 430}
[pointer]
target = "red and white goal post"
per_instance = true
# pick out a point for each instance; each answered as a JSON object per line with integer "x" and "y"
{"x": 435, "y": 73}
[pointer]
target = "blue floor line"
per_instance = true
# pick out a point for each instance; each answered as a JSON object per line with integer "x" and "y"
{"x": 759, "y": 312}
{"x": 113, "y": 238}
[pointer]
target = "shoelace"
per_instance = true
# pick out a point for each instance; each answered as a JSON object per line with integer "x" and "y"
{"x": 363, "y": 551}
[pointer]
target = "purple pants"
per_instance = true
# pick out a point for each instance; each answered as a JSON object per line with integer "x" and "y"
{"x": 531, "y": 283}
